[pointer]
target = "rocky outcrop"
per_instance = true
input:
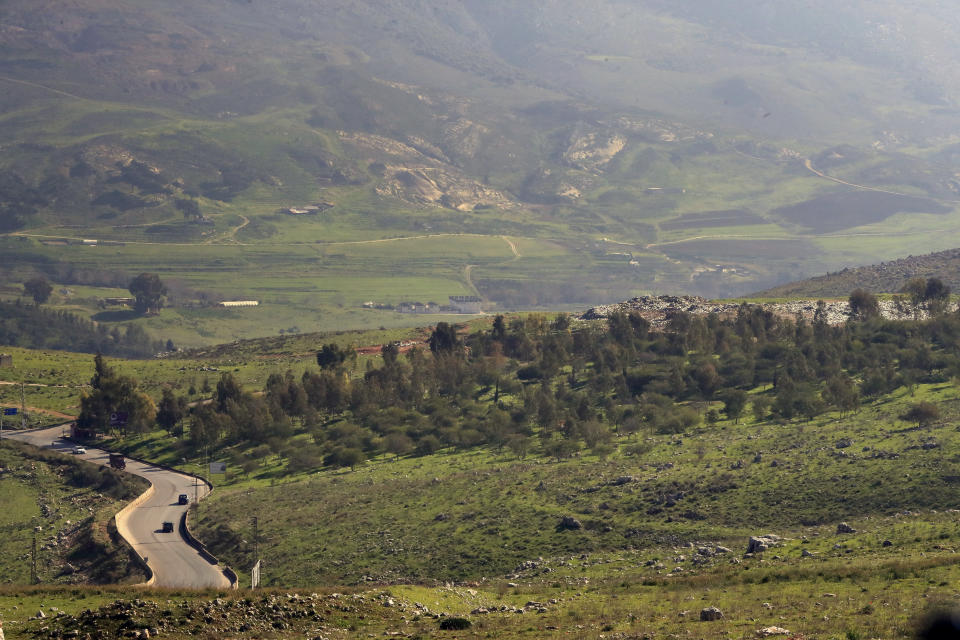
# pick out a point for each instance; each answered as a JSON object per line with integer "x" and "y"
{"x": 658, "y": 309}
{"x": 759, "y": 544}
{"x": 593, "y": 151}
{"x": 710, "y": 614}
{"x": 843, "y": 527}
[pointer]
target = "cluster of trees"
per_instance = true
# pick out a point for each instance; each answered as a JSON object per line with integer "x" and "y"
{"x": 148, "y": 291}
{"x": 33, "y": 327}
{"x": 19, "y": 201}
{"x": 114, "y": 394}
{"x": 535, "y": 384}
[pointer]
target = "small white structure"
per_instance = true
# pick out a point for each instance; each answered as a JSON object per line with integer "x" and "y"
{"x": 466, "y": 304}
{"x": 239, "y": 303}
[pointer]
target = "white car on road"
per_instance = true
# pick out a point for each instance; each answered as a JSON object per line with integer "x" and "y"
{"x": 78, "y": 450}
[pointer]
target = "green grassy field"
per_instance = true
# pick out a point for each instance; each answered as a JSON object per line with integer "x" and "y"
{"x": 70, "y": 506}
{"x": 663, "y": 523}
{"x": 505, "y": 510}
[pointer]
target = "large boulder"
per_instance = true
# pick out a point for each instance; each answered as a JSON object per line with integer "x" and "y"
{"x": 843, "y": 527}
{"x": 759, "y": 544}
{"x": 710, "y": 614}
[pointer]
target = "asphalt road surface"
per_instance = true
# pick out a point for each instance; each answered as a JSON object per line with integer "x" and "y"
{"x": 173, "y": 561}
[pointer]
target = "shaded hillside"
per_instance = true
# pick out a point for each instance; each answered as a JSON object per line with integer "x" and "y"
{"x": 886, "y": 277}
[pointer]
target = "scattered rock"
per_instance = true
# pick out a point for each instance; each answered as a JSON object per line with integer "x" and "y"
{"x": 807, "y": 554}
{"x": 772, "y": 631}
{"x": 569, "y": 523}
{"x": 843, "y": 443}
{"x": 710, "y": 614}
{"x": 759, "y": 544}
{"x": 843, "y": 527}
{"x": 886, "y": 543}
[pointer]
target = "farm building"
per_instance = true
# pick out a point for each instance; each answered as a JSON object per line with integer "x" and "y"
{"x": 6, "y": 360}
{"x": 417, "y": 307}
{"x": 239, "y": 303}
{"x": 466, "y": 304}
{"x": 309, "y": 209}
{"x": 119, "y": 301}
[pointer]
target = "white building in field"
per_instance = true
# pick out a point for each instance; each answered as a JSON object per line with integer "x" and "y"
{"x": 239, "y": 303}
{"x": 466, "y": 304}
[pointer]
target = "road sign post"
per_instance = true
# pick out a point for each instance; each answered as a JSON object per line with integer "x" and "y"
{"x": 7, "y": 411}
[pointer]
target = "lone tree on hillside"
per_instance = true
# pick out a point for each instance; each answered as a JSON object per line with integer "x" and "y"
{"x": 444, "y": 339}
{"x": 149, "y": 292}
{"x": 171, "y": 412}
{"x": 189, "y": 208}
{"x": 38, "y": 288}
{"x": 331, "y": 356}
{"x": 923, "y": 413}
{"x": 931, "y": 294}
{"x": 863, "y": 305}
{"x": 734, "y": 403}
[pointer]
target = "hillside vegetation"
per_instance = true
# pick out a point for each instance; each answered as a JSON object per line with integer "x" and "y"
{"x": 72, "y": 504}
{"x": 610, "y": 473}
{"x": 705, "y": 429}
{"x": 318, "y": 156}
{"x": 886, "y": 277}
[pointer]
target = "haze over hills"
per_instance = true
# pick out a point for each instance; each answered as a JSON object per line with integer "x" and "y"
{"x": 886, "y": 277}
{"x": 619, "y": 147}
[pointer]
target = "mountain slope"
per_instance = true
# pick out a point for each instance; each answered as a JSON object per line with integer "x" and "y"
{"x": 635, "y": 148}
{"x": 886, "y": 277}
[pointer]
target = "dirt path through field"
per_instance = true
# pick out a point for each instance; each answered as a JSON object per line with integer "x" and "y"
{"x": 37, "y": 384}
{"x": 809, "y": 165}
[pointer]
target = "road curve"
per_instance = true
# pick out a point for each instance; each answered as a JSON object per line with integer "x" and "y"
{"x": 174, "y": 563}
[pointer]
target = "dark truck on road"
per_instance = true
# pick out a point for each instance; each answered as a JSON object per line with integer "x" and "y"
{"x": 117, "y": 461}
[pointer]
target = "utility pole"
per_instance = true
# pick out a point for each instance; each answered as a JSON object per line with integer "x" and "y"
{"x": 23, "y": 409}
{"x": 255, "y": 571}
{"x": 33, "y": 558}
{"x": 256, "y": 539}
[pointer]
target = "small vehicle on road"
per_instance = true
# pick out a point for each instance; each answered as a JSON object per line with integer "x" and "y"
{"x": 183, "y": 499}
{"x": 117, "y": 461}
{"x": 166, "y": 527}
{"x": 78, "y": 450}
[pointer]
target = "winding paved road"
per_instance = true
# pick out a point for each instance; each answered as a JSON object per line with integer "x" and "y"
{"x": 173, "y": 561}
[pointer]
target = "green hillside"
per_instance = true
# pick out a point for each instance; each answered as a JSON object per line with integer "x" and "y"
{"x": 600, "y": 478}
{"x": 601, "y": 141}
{"x": 887, "y": 277}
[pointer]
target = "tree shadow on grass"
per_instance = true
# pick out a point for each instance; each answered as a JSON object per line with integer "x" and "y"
{"x": 120, "y": 315}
